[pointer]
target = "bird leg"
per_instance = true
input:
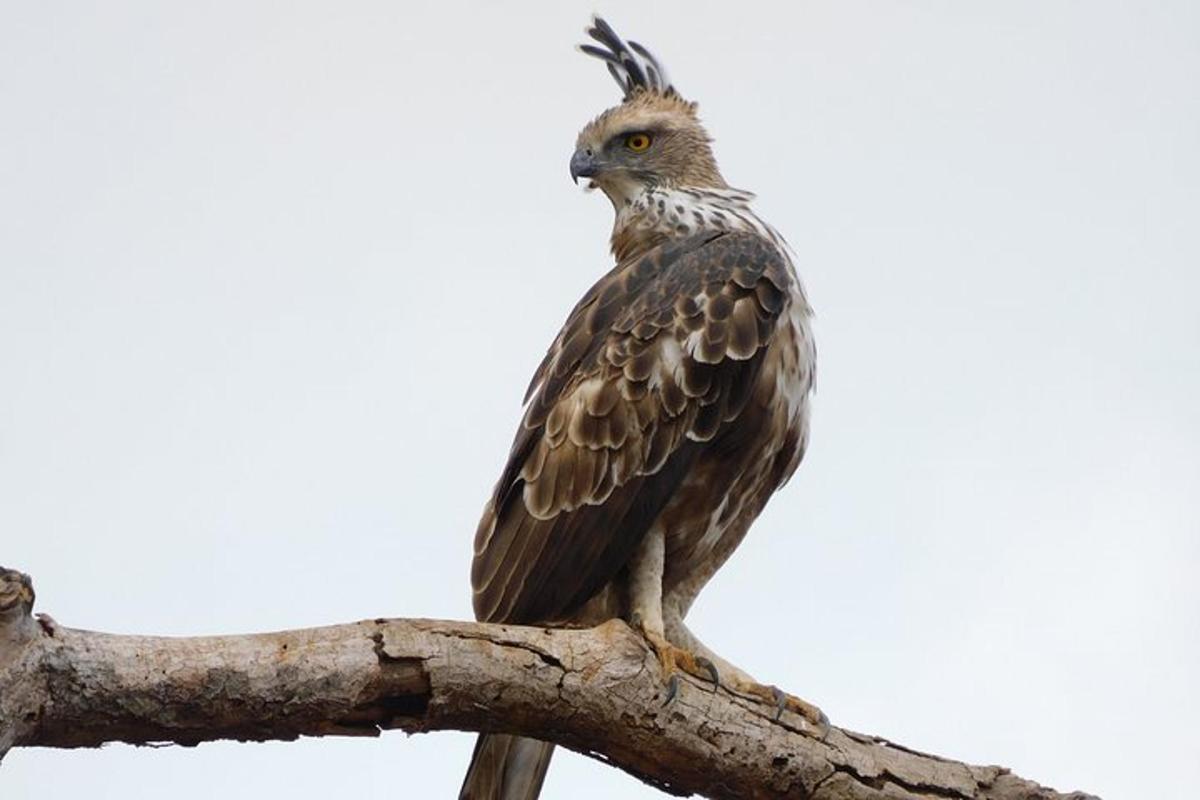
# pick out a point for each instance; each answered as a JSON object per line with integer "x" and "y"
{"x": 673, "y": 660}
{"x": 782, "y": 701}
{"x": 646, "y": 614}
{"x": 739, "y": 682}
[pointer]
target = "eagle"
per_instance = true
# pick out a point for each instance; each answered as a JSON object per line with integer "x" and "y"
{"x": 670, "y": 407}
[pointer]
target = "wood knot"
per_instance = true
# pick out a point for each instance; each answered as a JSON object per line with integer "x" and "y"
{"x": 16, "y": 591}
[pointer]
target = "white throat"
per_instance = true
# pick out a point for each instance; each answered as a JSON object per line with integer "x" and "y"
{"x": 686, "y": 211}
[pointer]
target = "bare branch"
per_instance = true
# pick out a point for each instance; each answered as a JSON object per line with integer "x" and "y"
{"x": 596, "y": 691}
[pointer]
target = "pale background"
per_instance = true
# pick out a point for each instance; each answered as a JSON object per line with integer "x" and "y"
{"x": 273, "y": 277}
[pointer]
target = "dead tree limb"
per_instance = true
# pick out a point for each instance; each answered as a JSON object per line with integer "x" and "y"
{"x": 597, "y": 691}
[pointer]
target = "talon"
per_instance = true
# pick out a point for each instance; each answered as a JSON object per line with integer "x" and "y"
{"x": 711, "y": 668}
{"x": 781, "y": 701}
{"x": 672, "y": 660}
{"x": 824, "y": 726}
{"x": 811, "y": 714}
{"x": 47, "y": 623}
{"x": 672, "y": 690}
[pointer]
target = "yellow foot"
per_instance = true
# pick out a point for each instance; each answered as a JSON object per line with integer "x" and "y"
{"x": 674, "y": 660}
{"x": 782, "y": 701}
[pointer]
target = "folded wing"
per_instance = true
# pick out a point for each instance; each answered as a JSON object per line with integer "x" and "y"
{"x": 653, "y": 362}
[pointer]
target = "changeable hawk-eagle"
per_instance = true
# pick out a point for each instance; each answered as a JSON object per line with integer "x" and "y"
{"x": 670, "y": 407}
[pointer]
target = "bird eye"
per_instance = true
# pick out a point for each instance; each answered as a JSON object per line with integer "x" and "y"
{"x": 638, "y": 142}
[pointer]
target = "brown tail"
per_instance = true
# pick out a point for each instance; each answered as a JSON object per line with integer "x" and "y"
{"x": 506, "y": 768}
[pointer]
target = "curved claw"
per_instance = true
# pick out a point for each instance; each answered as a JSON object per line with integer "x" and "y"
{"x": 48, "y": 624}
{"x": 825, "y": 727}
{"x": 672, "y": 690}
{"x": 711, "y": 668}
{"x": 780, "y": 701}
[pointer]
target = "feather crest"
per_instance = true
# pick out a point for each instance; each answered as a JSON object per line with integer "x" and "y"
{"x": 632, "y": 66}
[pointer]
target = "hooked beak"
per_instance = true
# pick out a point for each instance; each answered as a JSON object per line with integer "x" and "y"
{"x": 583, "y": 165}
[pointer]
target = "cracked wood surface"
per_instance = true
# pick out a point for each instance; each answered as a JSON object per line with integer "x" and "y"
{"x": 596, "y": 691}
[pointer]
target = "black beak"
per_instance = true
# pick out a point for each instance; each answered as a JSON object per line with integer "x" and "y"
{"x": 583, "y": 165}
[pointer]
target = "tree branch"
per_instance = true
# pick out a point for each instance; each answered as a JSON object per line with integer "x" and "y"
{"x": 597, "y": 691}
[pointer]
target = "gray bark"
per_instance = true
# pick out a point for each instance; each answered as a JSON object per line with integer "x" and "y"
{"x": 597, "y": 691}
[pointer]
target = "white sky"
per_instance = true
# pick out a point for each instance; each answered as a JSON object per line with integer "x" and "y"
{"x": 273, "y": 278}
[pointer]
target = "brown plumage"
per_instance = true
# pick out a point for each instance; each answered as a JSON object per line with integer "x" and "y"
{"x": 618, "y": 414}
{"x": 681, "y": 154}
{"x": 671, "y": 405}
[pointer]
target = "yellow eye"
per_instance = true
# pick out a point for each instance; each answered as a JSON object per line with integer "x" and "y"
{"x": 638, "y": 142}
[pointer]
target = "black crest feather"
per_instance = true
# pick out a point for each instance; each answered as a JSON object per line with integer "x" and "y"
{"x": 632, "y": 66}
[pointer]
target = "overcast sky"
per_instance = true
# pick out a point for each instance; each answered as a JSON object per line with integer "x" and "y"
{"x": 273, "y": 277}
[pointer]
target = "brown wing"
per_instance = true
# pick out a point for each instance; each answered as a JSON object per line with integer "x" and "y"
{"x": 656, "y": 358}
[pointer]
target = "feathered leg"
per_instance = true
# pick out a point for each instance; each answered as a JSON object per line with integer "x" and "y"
{"x": 646, "y": 613}
{"x": 737, "y": 680}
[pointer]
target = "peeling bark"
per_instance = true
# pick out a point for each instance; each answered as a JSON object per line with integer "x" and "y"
{"x": 596, "y": 691}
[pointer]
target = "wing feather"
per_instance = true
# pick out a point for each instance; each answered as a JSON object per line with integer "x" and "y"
{"x": 651, "y": 364}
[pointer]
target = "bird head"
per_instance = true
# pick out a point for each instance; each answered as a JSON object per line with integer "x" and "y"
{"x": 652, "y": 139}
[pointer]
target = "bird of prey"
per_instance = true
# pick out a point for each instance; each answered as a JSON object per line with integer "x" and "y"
{"x": 672, "y": 404}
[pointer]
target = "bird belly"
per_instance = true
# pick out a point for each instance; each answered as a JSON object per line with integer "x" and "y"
{"x": 731, "y": 482}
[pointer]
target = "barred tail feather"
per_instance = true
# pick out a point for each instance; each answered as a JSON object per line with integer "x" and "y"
{"x": 506, "y": 768}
